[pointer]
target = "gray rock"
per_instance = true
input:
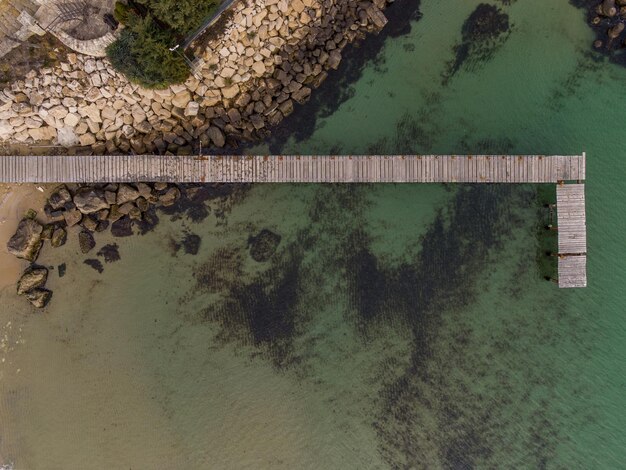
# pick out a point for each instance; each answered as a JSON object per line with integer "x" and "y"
{"x": 32, "y": 278}
{"x": 72, "y": 217}
{"x": 89, "y": 200}
{"x": 126, "y": 193}
{"x": 86, "y": 241}
{"x": 59, "y": 237}
{"x": 144, "y": 190}
{"x": 143, "y": 204}
{"x": 126, "y": 208}
{"x": 59, "y": 198}
{"x": 26, "y": 242}
{"x": 170, "y": 197}
{"x": 217, "y": 136}
{"x": 39, "y": 297}
{"x": 110, "y": 196}
{"x": 90, "y": 224}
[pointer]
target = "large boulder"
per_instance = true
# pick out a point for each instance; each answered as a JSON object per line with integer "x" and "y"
{"x": 264, "y": 245}
{"x": 89, "y": 200}
{"x": 126, "y": 193}
{"x": 59, "y": 198}
{"x": 26, "y": 242}
{"x": 32, "y": 278}
{"x": 39, "y": 297}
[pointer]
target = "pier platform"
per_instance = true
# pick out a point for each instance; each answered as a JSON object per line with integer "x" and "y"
{"x": 572, "y": 235}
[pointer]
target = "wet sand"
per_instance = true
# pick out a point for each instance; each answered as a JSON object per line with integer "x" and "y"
{"x": 15, "y": 200}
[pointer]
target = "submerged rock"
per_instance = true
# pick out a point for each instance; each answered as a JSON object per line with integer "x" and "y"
{"x": 264, "y": 245}
{"x": 191, "y": 243}
{"x": 122, "y": 227}
{"x": 39, "y": 297}
{"x": 32, "y": 278}
{"x": 26, "y": 242}
{"x": 110, "y": 253}
{"x": 86, "y": 241}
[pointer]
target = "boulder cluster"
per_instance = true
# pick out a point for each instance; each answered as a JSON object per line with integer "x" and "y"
{"x": 271, "y": 55}
{"x": 90, "y": 209}
{"x": 608, "y": 19}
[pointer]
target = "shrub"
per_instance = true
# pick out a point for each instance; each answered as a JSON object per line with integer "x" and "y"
{"x": 122, "y": 13}
{"x": 142, "y": 54}
{"x": 182, "y": 16}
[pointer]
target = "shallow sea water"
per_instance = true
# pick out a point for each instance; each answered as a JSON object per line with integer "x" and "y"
{"x": 397, "y": 326}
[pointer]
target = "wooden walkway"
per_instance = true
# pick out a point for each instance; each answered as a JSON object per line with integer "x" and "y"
{"x": 294, "y": 169}
{"x": 572, "y": 234}
{"x": 336, "y": 169}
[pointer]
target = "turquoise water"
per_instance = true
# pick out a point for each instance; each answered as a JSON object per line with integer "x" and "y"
{"x": 397, "y": 326}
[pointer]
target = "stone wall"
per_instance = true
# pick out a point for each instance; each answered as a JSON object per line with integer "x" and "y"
{"x": 271, "y": 56}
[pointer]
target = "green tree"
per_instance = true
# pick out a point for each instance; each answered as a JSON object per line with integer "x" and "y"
{"x": 142, "y": 54}
{"x": 182, "y": 16}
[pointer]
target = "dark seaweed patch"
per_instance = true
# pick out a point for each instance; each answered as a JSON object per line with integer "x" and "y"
{"x": 149, "y": 221}
{"x": 483, "y": 33}
{"x": 193, "y": 203}
{"x": 431, "y": 413}
{"x": 191, "y": 243}
{"x": 95, "y": 264}
{"x": 110, "y": 253}
{"x": 122, "y": 227}
{"x": 263, "y": 245}
{"x": 263, "y": 312}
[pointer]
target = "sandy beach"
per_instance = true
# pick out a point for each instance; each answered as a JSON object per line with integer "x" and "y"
{"x": 15, "y": 200}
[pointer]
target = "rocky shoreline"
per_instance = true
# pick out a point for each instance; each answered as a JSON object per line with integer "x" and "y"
{"x": 123, "y": 209}
{"x": 607, "y": 18}
{"x": 90, "y": 209}
{"x": 270, "y": 57}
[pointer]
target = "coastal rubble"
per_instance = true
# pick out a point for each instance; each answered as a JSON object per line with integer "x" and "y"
{"x": 26, "y": 242}
{"x": 32, "y": 278}
{"x": 271, "y": 54}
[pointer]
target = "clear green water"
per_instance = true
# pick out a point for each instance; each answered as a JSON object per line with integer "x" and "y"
{"x": 396, "y": 327}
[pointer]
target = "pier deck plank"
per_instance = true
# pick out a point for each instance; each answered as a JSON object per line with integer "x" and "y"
{"x": 572, "y": 233}
{"x": 294, "y": 169}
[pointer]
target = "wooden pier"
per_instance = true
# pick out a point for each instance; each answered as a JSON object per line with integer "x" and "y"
{"x": 294, "y": 169}
{"x": 572, "y": 235}
{"x": 336, "y": 169}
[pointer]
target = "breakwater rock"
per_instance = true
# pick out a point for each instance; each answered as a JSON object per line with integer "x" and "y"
{"x": 607, "y": 18}
{"x": 270, "y": 57}
{"x": 82, "y": 211}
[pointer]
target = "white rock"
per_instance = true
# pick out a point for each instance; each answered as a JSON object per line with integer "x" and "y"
{"x": 66, "y": 137}
{"x": 71, "y": 120}
{"x": 192, "y": 109}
